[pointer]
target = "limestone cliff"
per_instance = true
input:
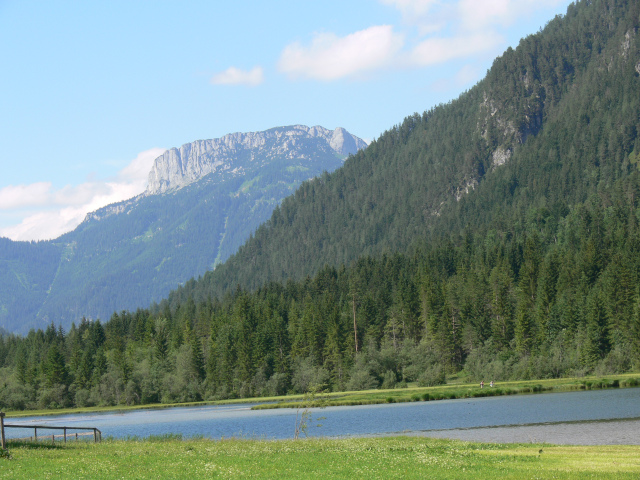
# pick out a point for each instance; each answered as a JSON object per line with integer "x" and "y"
{"x": 232, "y": 154}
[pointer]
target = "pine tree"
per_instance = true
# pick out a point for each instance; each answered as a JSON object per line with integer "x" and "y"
{"x": 197, "y": 360}
{"x": 524, "y": 335}
{"x": 55, "y": 369}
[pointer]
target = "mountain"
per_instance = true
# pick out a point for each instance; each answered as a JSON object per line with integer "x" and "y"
{"x": 495, "y": 237}
{"x": 203, "y": 200}
{"x": 236, "y": 154}
{"x": 555, "y": 121}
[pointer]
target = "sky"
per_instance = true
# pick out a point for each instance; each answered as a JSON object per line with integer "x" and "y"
{"x": 93, "y": 92}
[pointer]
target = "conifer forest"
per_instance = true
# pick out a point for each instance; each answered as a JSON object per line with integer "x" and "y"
{"x": 494, "y": 237}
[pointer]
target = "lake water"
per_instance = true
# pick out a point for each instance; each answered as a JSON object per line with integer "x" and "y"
{"x": 598, "y": 416}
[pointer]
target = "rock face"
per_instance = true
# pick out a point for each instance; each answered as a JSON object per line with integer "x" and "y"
{"x": 232, "y": 154}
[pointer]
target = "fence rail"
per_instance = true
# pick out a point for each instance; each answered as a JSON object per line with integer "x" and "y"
{"x": 67, "y": 432}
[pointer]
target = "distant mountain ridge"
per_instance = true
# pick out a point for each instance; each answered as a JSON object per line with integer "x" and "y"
{"x": 204, "y": 200}
{"x": 178, "y": 167}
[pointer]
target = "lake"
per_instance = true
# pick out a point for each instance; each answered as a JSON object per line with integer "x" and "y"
{"x": 599, "y": 416}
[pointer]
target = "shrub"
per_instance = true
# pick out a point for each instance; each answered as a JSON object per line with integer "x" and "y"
{"x": 306, "y": 374}
{"x": 389, "y": 380}
{"x": 82, "y": 398}
{"x": 432, "y": 376}
{"x": 277, "y": 384}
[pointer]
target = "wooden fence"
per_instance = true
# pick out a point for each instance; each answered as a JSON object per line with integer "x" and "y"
{"x": 68, "y": 432}
{"x": 3, "y": 443}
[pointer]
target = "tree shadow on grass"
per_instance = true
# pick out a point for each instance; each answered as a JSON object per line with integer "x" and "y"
{"x": 33, "y": 445}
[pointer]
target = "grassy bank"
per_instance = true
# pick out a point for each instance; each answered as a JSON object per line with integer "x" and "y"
{"x": 398, "y": 457}
{"x": 369, "y": 397}
{"x": 452, "y": 391}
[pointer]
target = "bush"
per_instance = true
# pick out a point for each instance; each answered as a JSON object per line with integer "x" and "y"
{"x": 82, "y": 398}
{"x": 361, "y": 380}
{"x": 16, "y": 397}
{"x": 277, "y": 385}
{"x": 617, "y": 361}
{"x": 433, "y": 375}
{"x": 306, "y": 374}
{"x": 54, "y": 397}
{"x": 362, "y": 377}
{"x": 389, "y": 380}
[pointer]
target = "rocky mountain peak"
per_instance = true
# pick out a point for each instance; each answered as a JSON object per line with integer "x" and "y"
{"x": 234, "y": 153}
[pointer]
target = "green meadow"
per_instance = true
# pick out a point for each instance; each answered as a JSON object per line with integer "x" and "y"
{"x": 389, "y": 457}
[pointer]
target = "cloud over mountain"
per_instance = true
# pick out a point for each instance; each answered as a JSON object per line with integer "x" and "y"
{"x": 50, "y": 212}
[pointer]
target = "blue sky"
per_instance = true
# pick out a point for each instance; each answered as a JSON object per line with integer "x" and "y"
{"x": 92, "y": 92}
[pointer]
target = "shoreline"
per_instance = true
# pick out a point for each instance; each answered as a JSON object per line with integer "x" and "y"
{"x": 583, "y": 433}
{"x": 377, "y": 396}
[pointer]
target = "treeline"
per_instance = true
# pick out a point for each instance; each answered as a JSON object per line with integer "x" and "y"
{"x": 494, "y": 237}
{"x": 554, "y": 296}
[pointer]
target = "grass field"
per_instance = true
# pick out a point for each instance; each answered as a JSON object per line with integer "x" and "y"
{"x": 367, "y": 458}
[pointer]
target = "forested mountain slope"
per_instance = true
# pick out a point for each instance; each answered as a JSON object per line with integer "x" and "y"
{"x": 497, "y": 237}
{"x": 203, "y": 201}
{"x": 26, "y": 272}
{"x": 554, "y": 121}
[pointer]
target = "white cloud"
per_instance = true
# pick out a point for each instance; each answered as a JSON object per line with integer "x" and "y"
{"x": 434, "y": 32}
{"x": 478, "y": 15}
{"x": 488, "y": 13}
{"x": 429, "y": 16}
{"x": 465, "y": 15}
{"x": 19, "y": 196}
{"x": 467, "y": 75}
{"x": 49, "y": 213}
{"x": 420, "y": 13}
{"x": 235, "y": 76}
{"x": 43, "y": 225}
{"x": 411, "y": 7}
{"x": 330, "y": 57}
{"x": 137, "y": 172}
{"x": 439, "y": 50}
{"x": 463, "y": 78}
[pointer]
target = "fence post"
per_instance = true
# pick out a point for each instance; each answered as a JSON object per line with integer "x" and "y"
{"x": 3, "y": 442}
